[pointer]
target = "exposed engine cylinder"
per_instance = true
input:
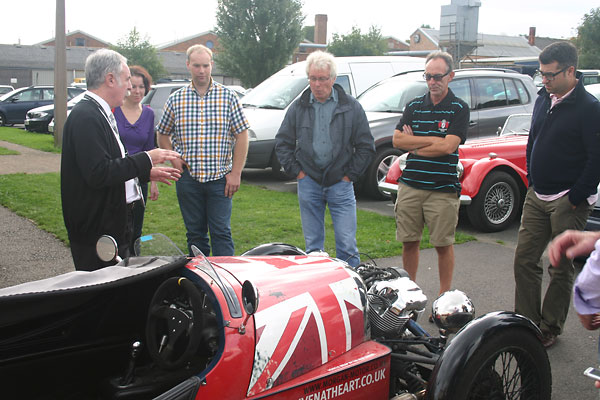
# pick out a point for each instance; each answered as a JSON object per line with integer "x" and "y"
{"x": 392, "y": 303}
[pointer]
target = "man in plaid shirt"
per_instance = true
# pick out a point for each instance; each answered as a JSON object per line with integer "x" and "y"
{"x": 205, "y": 123}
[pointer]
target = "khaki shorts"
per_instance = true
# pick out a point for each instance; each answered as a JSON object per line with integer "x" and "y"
{"x": 415, "y": 207}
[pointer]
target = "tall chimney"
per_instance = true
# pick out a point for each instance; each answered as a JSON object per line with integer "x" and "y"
{"x": 321, "y": 29}
{"x": 532, "y": 35}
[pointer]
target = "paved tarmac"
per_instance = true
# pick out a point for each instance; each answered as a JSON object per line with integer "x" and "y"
{"x": 483, "y": 270}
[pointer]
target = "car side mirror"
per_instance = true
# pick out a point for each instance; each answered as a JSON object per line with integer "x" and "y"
{"x": 498, "y": 131}
{"x": 249, "y": 297}
{"x": 107, "y": 249}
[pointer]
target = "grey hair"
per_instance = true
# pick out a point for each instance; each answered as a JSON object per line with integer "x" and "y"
{"x": 101, "y": 63}
{"x": 441, "y": 55}
{"x": 322, "y": 60}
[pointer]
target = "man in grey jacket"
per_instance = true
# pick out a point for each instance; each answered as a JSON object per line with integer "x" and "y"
{"x": 325, "y": 141}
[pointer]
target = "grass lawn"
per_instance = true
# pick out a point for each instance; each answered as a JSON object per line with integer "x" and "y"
{"x": 6, "y": 152}
{"x": 259, "y": 215}
{"x": 38, "y": 141}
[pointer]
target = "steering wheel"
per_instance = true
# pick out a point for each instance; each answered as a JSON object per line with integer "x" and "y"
{"x": 174, "y": 325}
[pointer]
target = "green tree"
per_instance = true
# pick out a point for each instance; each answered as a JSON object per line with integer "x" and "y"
{"x": 257, "y": 37}
{"x": 588, "y": 40}
{"x": 139, "y": 51}
{"x": 308, "y": 33}
{"x": 357, "y": 44}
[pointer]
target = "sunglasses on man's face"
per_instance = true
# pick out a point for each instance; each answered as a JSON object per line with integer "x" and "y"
{"x": 436, "y": 77}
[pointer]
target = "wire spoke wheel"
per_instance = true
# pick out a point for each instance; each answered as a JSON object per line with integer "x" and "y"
{"x": 499, "y": 202}
{"x": 513, "y": 365}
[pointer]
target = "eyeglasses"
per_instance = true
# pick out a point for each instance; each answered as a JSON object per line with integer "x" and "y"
{"x": 320, "y": 79}
{"x": 549, "y": 76}
{"x": 436, "y": 77}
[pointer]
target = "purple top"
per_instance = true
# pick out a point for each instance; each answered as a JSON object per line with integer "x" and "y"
{"x": 586, "y": 294}
{"x": 139, "y": 136}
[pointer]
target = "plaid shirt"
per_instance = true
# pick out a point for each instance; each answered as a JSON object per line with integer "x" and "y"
{"x": 203, "y": 128}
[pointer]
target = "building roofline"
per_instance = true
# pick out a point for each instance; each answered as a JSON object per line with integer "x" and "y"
{"x": 67, "y": 34}
{"x": 185, "y": 39}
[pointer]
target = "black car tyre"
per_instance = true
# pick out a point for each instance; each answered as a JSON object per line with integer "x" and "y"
{"x": 278, "y": 171}
{"x": 511, "y": 364}
{"x": 377, "y": 171}
{"x": 496, "y": 205}
{"x": 2, "y": 120}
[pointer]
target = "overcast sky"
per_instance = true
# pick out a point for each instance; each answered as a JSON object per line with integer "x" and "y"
{"x": 32, "y": 21}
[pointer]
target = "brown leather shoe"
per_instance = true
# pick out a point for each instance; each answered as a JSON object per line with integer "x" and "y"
{"x": 548, "y": 339}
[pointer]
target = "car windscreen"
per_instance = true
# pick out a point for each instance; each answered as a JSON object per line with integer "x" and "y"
{"x": 277, "y": 92}
{"x": 391, "y": 95}
{"x": 7, "y": 95}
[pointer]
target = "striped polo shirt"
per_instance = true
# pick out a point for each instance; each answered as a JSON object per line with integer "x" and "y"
{"x": 203, "y": 128}
{"x": 449, "y": 117}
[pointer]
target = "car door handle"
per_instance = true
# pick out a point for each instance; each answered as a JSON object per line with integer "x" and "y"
{"x": 472, "y": 123}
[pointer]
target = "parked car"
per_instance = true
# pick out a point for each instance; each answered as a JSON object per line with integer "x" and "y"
{"x": 594, "y": 89}
{"x": 492, "y": 95}
{"x": 239, "y": 90}
{"x": 158, "y": 95}
{"x": 6, "y": 89}
{"x": 14, "y": 105}
{"x": 266, "y": 105}
{"x": 492, "y": 172}
{"x": 593, "y": 222}
{"x": 39, "y": 118}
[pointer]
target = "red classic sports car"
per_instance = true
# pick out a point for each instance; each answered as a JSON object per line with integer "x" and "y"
{"x": 273, "y": 323}
{"x": 492, "y": 172}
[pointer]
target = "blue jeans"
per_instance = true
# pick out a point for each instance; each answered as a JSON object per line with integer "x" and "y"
{"x": 205, "y": 208}
{"x": 313, "y": 198}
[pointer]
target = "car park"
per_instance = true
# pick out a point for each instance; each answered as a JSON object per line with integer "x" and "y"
{"x": 266, "y": 105}
{"x": 492, "y": 173}
{"x": 39, "y": 118}
{"x": 6, "y": 89}
{"x": 158, "y": 95}
{"x": 14, "y": 105}
{"x": 160, "y": 92}
{"x": 492, "y": 95}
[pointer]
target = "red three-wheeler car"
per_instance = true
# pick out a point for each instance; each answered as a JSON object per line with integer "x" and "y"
{"x": 273, "y": 323}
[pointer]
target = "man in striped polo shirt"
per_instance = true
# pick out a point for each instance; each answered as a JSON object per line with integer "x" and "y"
{"x": 431, "y": 129}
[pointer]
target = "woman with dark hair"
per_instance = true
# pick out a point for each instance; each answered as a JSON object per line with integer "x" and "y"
{"x": 136, "y": 128}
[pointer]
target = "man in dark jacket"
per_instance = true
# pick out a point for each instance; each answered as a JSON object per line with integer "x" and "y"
{"x": 325, "y": 141}
{"x": 563, "y": 166}
{"x": 98, "y": 186}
